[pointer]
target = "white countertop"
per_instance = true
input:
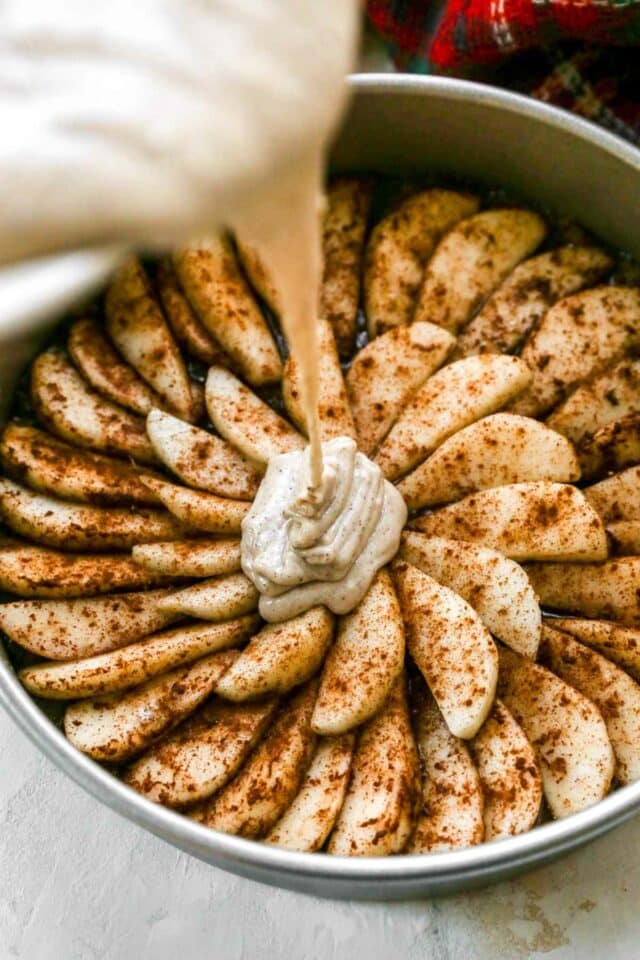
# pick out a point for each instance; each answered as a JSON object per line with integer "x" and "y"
{"x": 79, "y": 883}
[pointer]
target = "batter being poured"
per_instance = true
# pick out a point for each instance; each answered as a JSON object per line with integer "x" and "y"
{"x": 324, "y": 519}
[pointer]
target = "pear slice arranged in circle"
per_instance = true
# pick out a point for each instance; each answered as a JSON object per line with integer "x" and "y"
{"x": 452, "y": 648}
{"x": 68, "y": 407}
{"x": 496, "y": 587}
{"x": 509, "y": 774}
{"x": 364, "y": 663}
{"x": 201, "y": 459}
{"x": 575, "y": 754}
{"x": 253, "y": 802}
{"x": 119, "y": 725}
{"x": 56, "y": 468}
{"x": 451, "y": 808}
{"x": 203, "y": 753}
{"x": 524, "y": 521}
{"x": 374, "y": 822}
{"x": 491, "y": 669}
{"x": 309, "y": 820}
{"x": 133, "y": 664}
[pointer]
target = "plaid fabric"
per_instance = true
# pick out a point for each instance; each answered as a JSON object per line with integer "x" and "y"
{"x": 479, "y": 38}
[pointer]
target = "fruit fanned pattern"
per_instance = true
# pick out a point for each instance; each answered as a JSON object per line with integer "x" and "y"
{"x": 496, "y": 386}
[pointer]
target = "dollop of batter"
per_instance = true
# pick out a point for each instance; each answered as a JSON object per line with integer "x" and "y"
{"x": 305, "y": 544}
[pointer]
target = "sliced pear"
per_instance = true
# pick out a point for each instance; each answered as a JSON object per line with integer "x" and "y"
{"x": 608, "y": 590}
{"x": 268, "y": 782}
{"x": 378, "y": 813}
{"x": 189, "y": 558}
{"x": 521, "y": 301}
{"x": 311, "y": 817}
{"x": 566, "y": 729}
{"x": 79, "y": 526}
{"x": 187, "y": 329}
{"x": 613, "y": 640}
{"x": 472, "y": 260}
{"x": 74, "y": 629}
{"x": 615, "y": 694}
{"x": 451, "y": 808}
{"x": 220, "y": 598}
{"x": 451, "y": 399}
{"x": 105, "y": 370}
{"x": 30, "y": 571}
{"x": 509, "y": 774}
{"x": 491, "y": 452}
{"x": 612, "y": 395}
{"x": 334, "y": 412}
{"x": 128, "y": 666}
{"x": 452, "y": 648}
{"x": 613, "y": 447}
{"x": 399, "y": 247}
{"x": 617, "y": 497}
{"x": 139, "y": 330}
{"x": 246, "y": 421}
{"x": 202, "y": 511}
{"x": 345, "y": 223}
{"x": 54, "y": 467}
{"x": 220, "y": 296}
{"x": 385, "y": 374}
{"x": 119, "y": 725}
{"x": 69, "y": 408}
{"x": 202, "y": 755}
{"x": 497, "y": 588}
{"x": 524, "y": 521}
{"x": 577, "y": 338}
{"x": 257, "y": 274}
{"x": 281, "y": 656}
{"x": 201, "y": 459}
{"x": 364, "y": 663}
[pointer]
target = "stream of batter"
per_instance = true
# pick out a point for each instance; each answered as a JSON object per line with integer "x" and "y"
{"x": 324, "y": 520}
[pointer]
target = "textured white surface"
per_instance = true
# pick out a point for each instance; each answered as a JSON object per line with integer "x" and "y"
{"x": 79, "y": 883}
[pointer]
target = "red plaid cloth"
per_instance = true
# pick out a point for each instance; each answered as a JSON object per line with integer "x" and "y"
{"x": 600, "y": 81}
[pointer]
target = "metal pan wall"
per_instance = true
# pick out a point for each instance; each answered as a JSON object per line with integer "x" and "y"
{"x": 395, "y": 124}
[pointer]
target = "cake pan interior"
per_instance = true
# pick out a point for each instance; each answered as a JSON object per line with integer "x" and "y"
{"x": 398, "y": 125}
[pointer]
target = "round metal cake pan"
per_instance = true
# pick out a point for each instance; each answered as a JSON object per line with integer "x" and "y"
{"x": 399, "y": 125}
